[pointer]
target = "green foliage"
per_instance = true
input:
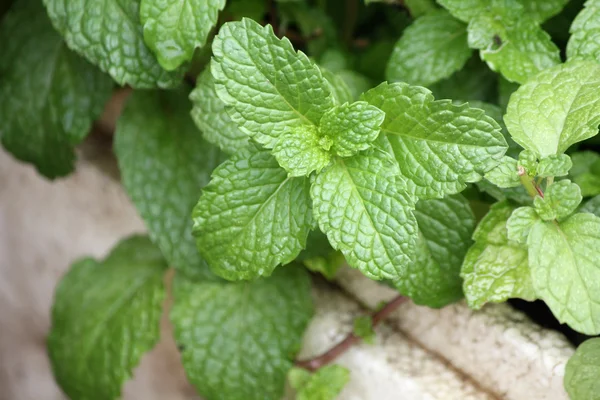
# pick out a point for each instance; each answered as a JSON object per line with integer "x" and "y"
{"x": 325, "y": 384}
{"x": 581, "y": 373}
{"x": 363, "y": 328}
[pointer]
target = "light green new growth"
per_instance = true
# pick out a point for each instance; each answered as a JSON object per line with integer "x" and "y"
{"x": 302, "y": 150}
{"x": 582, "y": 371}
{"x": 363, "y": 328}
{"x": 519, "y": 224}
{"x": 505, "y": 174}
{"x": 325, "y": 384}
{"x": 560, "y": 200}
{"x": 556, "y": 165}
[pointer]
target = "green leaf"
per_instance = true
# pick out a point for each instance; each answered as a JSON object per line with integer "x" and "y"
{"x": 339, "y": 89}
{"x": 351, "y": 127}
{"x": 558, "y": 107}
{"x": 445, "y": 228}
{"x": 359, "y": 205}
{"x": 268, "y": 87}
{"x": 591, "y": 206}
{"x": 505, "y": 174}
{"x": 357, "y": 83}
{"x": 173, "y": 29}
{"x": 105, "y": 316}
{"x": 585, "y": 33}
{"x": 49, "y": 96}
{"x": 464, "y": 10}
{"x": 239, "y": 339}
{"x": 164, "y": 163}
{"x": 210, "y": 116}
{"x": 538, "y": 10}
{"x": 586, "y": 172}
{"x": 582, "y": 371}
{"x": 542, "y": 10}
{"x": 108, "y": 34}
{"x": 560, "y": 200}
{"x": 417, "y": 8}
{"x": 556, "y": 165}
{"x": 252, "y": 217}
{"x": 327, "y": 265}
{"x": 496, "y": 269}
{"x": 529, "y": 161}
{"x": 440, "y": 146}
{"x": 474, "y": 82}
{"x": 301, "y": 151}
{"x": 564, "y": 260}
{"x": 325, "y": 384}
{"x": 431, "y": 49}
{"x": 519, "y": 224}
{"x": 363, "y": 328}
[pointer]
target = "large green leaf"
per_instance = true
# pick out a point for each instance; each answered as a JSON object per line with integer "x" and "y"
{"x": 105, "y": 317}
{"x": 585, "y": 33}
{"x": 538, "y": 10}
{"x": 582, "y": 371}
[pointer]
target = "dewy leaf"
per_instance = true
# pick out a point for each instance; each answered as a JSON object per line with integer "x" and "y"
{"x": 440, "y": 146}
{"x": 505, "y": 174}
{"x": 519, "y": 224}
{"x": 565, "y": 269}
{"x": 431, "y": 49}
{"x": 359, "y": 205}
{"x": 49, "y": 96}
{"x": 582, "y": 371}
{"x": 556, "y": 165}
{"x": 496, "y": 269}
{"x": 445, "y": 227}
{"x": 351, "y": 127}
{"x": 105, "y": 316}
{"x": 555, "y": 109}
{"x": 239, "y": 339}
{"x": 252, "y": 216}
{"x": 173, "y": 29}
{"x": 585, "y": 33}
{"x": 210, "y": 116}
{"x": 300, "y": 151}
{"x": 325, "y": 384}
{"x": 108, "y": 33}
{"x": 164, "y": 163}
{"x": 268, "y": 87}
{"x": 560, "y": 200}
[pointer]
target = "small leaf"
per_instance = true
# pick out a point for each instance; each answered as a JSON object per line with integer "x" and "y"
{"x": 252, "y": 216}
{"x": 557, "y": 165}
{"x": 582, "y": 371}
{"x": 431, "y": 49}
{"x": 529, "y": 161}
{"x": 505, "y": 174}
{"x": 560, "y": 200}
{"x": 519, "y": 224}
{"x": 585, "y": 31}
{"x": 240, "y": 339}
{"x": 105, "y": 316}
{"x": 555, "y": 109}
{"x": 351, "y": 127}
{"x": 325, "y": 384}
{"x": 300, "y": 151}
{"x": 363, "y": 328}
{"x": 173, "y": 29}
{"x": 496, "y": 269}
{"x": 564, "y": 260}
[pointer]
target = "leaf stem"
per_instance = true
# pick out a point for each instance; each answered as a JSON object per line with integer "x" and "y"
{"x": 315, "y": 363}
{"x": 528, "y": 183}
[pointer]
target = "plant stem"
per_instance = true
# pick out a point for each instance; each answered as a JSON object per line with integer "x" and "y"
{"x": 315, "y": 363}
{"x": 528, "y": 183}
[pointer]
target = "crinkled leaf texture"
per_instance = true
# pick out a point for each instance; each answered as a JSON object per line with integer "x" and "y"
{"x": 366, "y": 214}
{"x": 505, "y": 174}
{"x": 496, "y": 269}
{"x": 325, "y": 384}
{"x": 565, "y": 269}
{"x": 108, "y": 33}
{"x": 556, "y": 165}
{"x": 519, "y": 224}
{"x": 445, "y": 227}
{"x": 585, "y": 33}
{"x": 555, "y": 109}
{"x": 439, "y": 146}
{"x": 432, "y": 48}
{"x": 300, "y": 151}
{"x": 105, "y": 316}
{"x": 252, "y": 216}
{"x": 559, "y": 201}
{"x": 49, "y": 96}
{"x": 239, "y": 339}
{"x": 164, "y": 163}
{"x": 267, "y": 85}
{"x": 173, "y": 29}
{"x": 582, "y": 371}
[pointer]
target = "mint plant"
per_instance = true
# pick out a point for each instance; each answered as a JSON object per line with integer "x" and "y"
{"x": 446, "y": 150}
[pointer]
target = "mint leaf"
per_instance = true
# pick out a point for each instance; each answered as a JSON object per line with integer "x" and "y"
{"x": 591, "y": 206}
{"x": 164, "y": 163}
{"x": 474, "y": 82}
{"x": 300, "y": 151}
{"x": 109, "y": 35}
{"x": 239, "y": 339}
{"x": 363, "y": 328}
{"x": 464, "y": 10}
{"x": 327, "y": 265}
{"x": 325, "y": 384}
{"x": 49, "y": 96}
{"x": 542, "y": 10}
{"x": 440, "y": 146}
{"x": 505, "y": 174}
{"x": 565, "y": 271}
{"x": 582, "y": 371}
{"x": 365, "y": 215}
{"x": 431, "y": 49}
{"x": 519, "y": 224}
{"x": 252, "y": 216}
{"x": 585, "y": 31}
{"x": 560, "y": 200}
{"x": 556, "y": 165}
{"x": 420, "y": 7}
{"x": 210, "y": 116}
{"x": 529, "y": 162}
{"x": 338, "y": 86}
{"x": 351, "y": 127}
{"x": 586, "y": 172}
{"x": 556, "y": 108}
{"x": 538, "y": 10}
{"x": 173, "y": 30}
{"x": 268, "y": 87}
{"x": 105, "y": 316}
{"x": 445, "y": 229}
{"x": 496, "y": 269}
